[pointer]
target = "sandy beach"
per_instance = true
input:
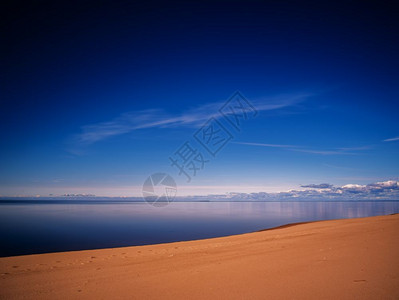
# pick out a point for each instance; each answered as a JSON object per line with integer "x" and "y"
{"x": 338, "y": 259}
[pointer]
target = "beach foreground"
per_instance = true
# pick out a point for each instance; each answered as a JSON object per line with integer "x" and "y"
{"x": 339, "y": 259}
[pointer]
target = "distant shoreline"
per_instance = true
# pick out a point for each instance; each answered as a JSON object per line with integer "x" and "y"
{"x": 39, "y": 200}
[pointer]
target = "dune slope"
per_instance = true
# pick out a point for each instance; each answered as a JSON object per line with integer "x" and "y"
{"x": 339, "y": 259}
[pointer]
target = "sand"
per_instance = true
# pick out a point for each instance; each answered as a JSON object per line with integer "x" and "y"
{"x": 339, "y": 259}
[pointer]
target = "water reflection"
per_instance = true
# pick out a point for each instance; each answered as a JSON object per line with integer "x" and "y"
{"x": 36, "y": 228}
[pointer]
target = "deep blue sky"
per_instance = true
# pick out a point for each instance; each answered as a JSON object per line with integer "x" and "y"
{"x": 81, "y": 79}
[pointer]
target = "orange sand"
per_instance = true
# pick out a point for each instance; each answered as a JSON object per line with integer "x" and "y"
{"x": 340, "y": 259}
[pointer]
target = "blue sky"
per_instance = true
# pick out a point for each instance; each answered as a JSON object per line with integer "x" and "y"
{"x": 97, "y": 96}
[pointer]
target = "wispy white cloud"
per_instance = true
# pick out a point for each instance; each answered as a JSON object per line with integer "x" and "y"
{"x": 355, "y": 148}
{"x": 267, "y": 145}
{"x": 392, "y": 139}
{"x": 326, "y": 152}
{"x": 158, "y": 118}
{"x": 336, "y": 151}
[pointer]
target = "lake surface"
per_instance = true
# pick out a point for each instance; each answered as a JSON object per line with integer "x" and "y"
{"x": 48, "y": 226}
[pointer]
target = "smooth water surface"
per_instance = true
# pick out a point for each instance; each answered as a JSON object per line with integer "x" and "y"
{"x": 49, "y": 226}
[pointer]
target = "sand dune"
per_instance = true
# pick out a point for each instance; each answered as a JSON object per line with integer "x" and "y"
{"x": 339, "y": 259}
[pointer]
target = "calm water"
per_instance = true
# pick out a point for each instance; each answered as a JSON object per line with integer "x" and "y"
{"x": 27, "y": 227}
